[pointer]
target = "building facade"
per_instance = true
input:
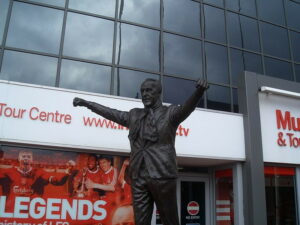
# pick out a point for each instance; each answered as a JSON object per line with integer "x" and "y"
{"x": 54, "y": 50}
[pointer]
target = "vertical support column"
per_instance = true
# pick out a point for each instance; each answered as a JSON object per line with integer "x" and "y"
{"x": 253, "y": 168}
{"x": 298, "y": 193}
{"x": 238, "y": 194}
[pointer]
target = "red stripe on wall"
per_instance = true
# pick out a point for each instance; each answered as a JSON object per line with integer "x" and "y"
{"x": 283, "y": 171}
{"x": 223, "y": 173}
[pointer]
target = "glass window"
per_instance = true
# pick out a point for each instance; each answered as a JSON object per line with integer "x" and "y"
{"x": 275, "y": 40}
{"x": 138, "y": 47}
{"x": 295, "y": 39}
{"x": 128, "y": 82}
{"x": 224, "y": 197}
{"x": 89, "y": 37}
{"x": 280, "y": 195}
{"x": 271, "y": 11}
{"x": 243, "y": 32}
{"x": 182, "y": 56}
{"x": 243, "y": 6}
{"x": 241, "y": 61}
{"x": 85, "y": 77}
{"x": 278, "y": 68}
{"x": 297, "y": 69}
{"x": 3, "y": 13}
{"x": 177, "y": 91}
{"x": 101, "y": 7}
{"x": 29, "y": 68}
{"x": 292, "y": 14}
{"x": 218, "y": 98}
{"x": 35, "y": 28}
{"x": 215, "y": 2}
{"x": 216, "y": 63}
{"x": 140, "y": 11}
{"x": 235, "y": 100}
{"x": 214, "y": 24}
{"x": 60, "y": 3}
{"x": 189, "y": 20}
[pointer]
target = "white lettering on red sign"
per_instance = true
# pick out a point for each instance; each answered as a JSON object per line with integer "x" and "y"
{"x": 54, "y": 208}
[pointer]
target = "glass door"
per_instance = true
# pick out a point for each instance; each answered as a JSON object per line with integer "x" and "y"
{"x": 194, "y": 201}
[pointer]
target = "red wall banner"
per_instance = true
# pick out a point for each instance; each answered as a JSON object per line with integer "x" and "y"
{"x": 59, "y": 188}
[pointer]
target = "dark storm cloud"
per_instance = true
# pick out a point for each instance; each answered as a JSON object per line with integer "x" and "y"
{"x": 244, "y": 6}
{"x": 274, "y": 14}
{"x": 60, "y": 3}
{"x": 175, "y": 95}
{"x": 182, "y": 16}
{"x": 243, "y": 31}
{"x": 216, "y": 63}
{"x": 89, "y": 37}
{"x": 141, "y": 11}
{"x": 85, "y": 76}
{"x": 182, "y": 56}
{"x": 101, "y": 7}
{"x": 275, "y": 40}
{"x": 44, "y": 32}
{"x": 214, "y": 20}
{"x": 130, "y": 82}
{"x": 139, "y": 47}
{"x": 30, "y": 68}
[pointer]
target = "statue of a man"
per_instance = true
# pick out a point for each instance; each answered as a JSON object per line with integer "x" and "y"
{"x": 152, "y": 132}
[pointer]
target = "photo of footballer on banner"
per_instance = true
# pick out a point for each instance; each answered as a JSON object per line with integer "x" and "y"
{"x": 58, "y": 187}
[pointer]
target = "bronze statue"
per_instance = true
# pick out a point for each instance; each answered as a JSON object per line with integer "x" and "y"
{"x": 152, "y": 132}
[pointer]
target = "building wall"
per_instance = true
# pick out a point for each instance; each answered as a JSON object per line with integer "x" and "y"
{"x": 110, "y": 46}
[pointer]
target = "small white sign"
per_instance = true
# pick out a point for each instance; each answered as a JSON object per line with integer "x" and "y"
{"x": 280, "y": 128}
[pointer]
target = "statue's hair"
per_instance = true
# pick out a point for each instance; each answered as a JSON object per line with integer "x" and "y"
{"x": 156, "y": 82}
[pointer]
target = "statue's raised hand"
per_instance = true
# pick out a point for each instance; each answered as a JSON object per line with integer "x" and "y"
{"x": 79, "y": 102}
{"x": 202, "y": 85}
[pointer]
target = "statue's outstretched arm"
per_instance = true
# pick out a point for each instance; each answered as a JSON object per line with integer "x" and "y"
{"x": 120, "y": 117}
{"x": 183, "y": 111}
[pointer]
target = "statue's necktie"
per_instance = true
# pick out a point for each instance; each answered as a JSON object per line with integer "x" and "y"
{"x": 150, "y": 129}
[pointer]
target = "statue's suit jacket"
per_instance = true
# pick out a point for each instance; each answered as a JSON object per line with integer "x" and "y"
{"x": 159, "y": 156}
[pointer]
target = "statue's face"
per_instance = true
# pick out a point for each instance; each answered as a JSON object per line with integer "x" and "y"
{"x": 150, "y": 93}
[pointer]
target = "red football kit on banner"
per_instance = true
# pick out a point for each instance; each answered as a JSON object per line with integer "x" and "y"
{"x": 126, "y": 194}
{"x": 23, "y": 183}
{"x": 109, "y": 178}
{"x": 94, "y": 176}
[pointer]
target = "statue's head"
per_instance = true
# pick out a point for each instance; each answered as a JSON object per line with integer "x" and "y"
{"x": 150, "y": 92}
